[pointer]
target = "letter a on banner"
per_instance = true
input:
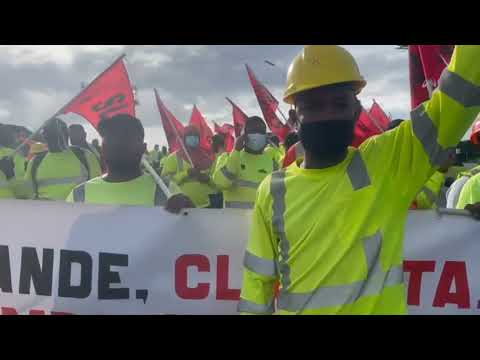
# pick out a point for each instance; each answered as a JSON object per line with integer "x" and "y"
{"x": 109, "y": 94}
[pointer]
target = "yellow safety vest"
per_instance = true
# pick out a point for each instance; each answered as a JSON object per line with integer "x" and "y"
{"x": 176, "y": 169}
{"x": 240, "y": 176}
{"x": 6, "y": 188}
{"x": 219, "y": 161}
{"x": 427, "y": 198}
{"x": 470, "y": 192}
{"x": 17, "y": 182}
{"x": 58, "y": 173}
{"x": 142, "y": 191}
{"x": 276, "y": 153}
{"x": 334, "y": 237}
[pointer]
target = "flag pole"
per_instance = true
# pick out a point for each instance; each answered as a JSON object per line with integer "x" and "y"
{"x": 59, "y": 112}
{"x": 179, "y": 139}
{"x": 155, "y": 176}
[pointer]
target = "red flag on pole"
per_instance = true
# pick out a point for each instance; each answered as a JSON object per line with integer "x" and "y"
{"x": 418, "y": 91}
{"x": 109, "y": 94}
{"x": 206, "y": 133}
{"x": 427, "y": 63}
{"x": 364, "y": 129}
{"x": 376, "y": 113}
{"x": 227, "y": 131}
{"x": 268, "y": 105}
{"x": 239, "y": 118}
{"x": 168, "y": 119}
{"x": 434, "y": 59}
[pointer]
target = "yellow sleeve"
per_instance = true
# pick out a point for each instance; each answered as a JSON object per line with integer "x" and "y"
{"x": 226, "y": 173}
{"x": 260, "y": 270}
{"x": 69, "y": 198}
{"x": 27, "y": 186}
{"x": 18, "y": 183}
{"x": 428, "y": 196}
{"x": 470, "y": 193}
{"x": 407, "y": 156}
{"x": 95, "y": 169}
{"x": 171, "y": 170}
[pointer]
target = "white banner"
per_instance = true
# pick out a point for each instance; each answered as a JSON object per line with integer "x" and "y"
{"x": 58, "y": 258}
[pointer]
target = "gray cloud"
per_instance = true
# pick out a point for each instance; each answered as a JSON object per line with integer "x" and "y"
{"x": 37, "y": 81}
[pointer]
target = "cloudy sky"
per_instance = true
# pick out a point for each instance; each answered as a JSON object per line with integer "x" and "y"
{"x": 40, "y": 79}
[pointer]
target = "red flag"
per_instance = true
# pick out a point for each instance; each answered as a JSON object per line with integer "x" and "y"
{"x": 239, "y": 118}
{"x": 377, "y": 114}
{"x": 268, "y": 104}
{"x": 109, "y": 94}
{"x": 434, "y": 59}
{"x": 364, "y": 129}
{"x": 418, "y": 91}
{"x": 426, "y": 65}
{"x": 227, "y": 131}
{"x": 167, "y": 121}
{"x": 206, "y": 133}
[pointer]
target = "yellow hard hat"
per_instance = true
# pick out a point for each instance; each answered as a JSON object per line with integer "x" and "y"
{"x": 321, "y": 65}
{"x": 37, "y": 148}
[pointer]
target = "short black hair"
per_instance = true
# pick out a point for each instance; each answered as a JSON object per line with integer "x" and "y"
{"x": 394, "y": 123}
{"x": 57, "y": 126}
{"x": 120, "y": 122}
{"x": 218, "y": 141}
{"x": 255, "y": 119}
{"x": 291, "y": 139}
{"x": 76, "y": 126}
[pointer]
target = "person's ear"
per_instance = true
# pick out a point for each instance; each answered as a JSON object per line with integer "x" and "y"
{"x": 358, "y": 109}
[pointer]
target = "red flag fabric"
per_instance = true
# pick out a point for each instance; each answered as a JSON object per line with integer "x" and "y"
{"x": 377, "y": 114}
{"x": 434, "y": 59}
{"x": 365, "y": 129}
{"x": 168, "y": 120}
{"x": 227, "y": 131}
{"x": 426, "y": 65}
{"x": 206, "y": 133}
{"x": 268, "y": 105}
{"x": 109, "y": 94}
{"x": 239, "y": 118}
{"x": 418, "y": 90}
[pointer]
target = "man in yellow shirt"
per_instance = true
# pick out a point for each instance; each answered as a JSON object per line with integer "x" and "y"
{"x": 125, "y": 183}
{"x": 331, "y": 231}
{"x": 195, "y": 181}
{"x": 246, "y": 166}
{"x": 51, "y": 175}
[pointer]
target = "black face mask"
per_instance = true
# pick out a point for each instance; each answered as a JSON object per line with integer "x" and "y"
{"x": 324, "y": 138}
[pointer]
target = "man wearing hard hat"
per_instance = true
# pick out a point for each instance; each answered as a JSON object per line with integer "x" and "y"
{"x": 331, "y": 230}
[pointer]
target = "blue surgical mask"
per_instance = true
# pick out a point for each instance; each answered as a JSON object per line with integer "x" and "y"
{"x": 192, "y": 141}
{"x": 256, "y": 142}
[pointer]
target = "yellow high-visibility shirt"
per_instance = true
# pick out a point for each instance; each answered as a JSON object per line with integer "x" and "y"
{"x": 58, "y": 173}
{"x": 427, "y": 198}
{"x": 334, "y": 237}
{"x": 277, "y": 153}
{"x": 219, "y": 161}
{"x": 6, "y": 188}
{"x": 141, "y": 191}
{"x": 176, "y": 169}
{"x": 17, "y": 182}
{"x": 470, "y": 193}
{"x": 240, "y": 176}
